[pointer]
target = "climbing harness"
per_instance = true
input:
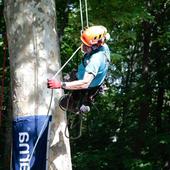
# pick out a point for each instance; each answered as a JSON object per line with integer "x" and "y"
{"x": 77, "y": 105}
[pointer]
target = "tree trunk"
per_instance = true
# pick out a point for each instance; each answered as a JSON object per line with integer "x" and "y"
{"x": 145, "y": 90}
{"x": 38, "y": 123}
{"x": 161, "y": 62}
{"x": 144, "y": 108}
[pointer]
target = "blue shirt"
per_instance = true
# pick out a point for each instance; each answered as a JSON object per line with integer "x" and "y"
{"x": 95, "y": 63}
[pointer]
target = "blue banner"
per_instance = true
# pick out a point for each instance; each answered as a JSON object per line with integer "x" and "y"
{"x": 30, "y": 136}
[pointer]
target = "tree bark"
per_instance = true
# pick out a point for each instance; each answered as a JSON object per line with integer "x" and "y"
{"x": 34, "y": 57}
{"x": 145, "y": 88}
{"x": 144, "y": 108}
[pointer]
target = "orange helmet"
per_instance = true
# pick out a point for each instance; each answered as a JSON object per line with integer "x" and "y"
{"x": 94, "y": 35}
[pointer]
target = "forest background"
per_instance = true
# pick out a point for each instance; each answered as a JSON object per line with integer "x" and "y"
{"x": 129, "y": 126}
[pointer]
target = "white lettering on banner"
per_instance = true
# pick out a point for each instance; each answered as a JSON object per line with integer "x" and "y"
{"x": 24, "y": 166}
{"x": 24, "y": 151}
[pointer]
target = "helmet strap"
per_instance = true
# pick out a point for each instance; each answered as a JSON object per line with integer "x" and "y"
{"x": 94, "y": 47}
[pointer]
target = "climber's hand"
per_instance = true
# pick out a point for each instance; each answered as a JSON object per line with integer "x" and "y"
{"x": 52, "y": 84}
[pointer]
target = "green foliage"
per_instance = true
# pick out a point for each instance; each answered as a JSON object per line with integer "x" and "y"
{"x": 113, "y": 136}
{"x": 128, "y": 126}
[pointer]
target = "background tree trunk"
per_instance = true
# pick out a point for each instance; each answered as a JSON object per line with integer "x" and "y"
{"x": 34, "y": 57}
{"x": 145, "y": 89}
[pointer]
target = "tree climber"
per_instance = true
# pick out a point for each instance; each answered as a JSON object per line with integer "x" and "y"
{"x": 90, "y": 74}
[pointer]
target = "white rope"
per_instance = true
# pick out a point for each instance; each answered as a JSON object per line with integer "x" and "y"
{"x": 66, "y": 63}
{"x": 47, "y": 118}
{"x": 87, "y": 21}
{"x": 42, "y": 129}
{"x": 81, "y": 15}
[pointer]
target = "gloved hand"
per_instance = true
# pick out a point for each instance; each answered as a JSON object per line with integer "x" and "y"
{"x": 52, "y": 84}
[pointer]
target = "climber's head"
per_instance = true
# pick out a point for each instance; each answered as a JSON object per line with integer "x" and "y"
{"x": 93, "y": 37}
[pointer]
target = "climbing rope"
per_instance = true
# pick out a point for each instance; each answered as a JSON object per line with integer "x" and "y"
{"x": 73, "y": 125}
{"x": 80, "y": 114}
{"x": 47, "y": 117}
{"x": 81, "y": 15}
{"x": 46, "y": 120}
{"x": 71, "y": 119}
{"x": 43, "y": 127}
{"x": 66, "y": 62}
{"x": 87, "y": 20}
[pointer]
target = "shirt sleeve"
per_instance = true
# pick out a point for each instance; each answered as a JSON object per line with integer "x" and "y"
{"x": 94, "y": 64}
